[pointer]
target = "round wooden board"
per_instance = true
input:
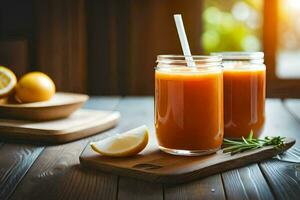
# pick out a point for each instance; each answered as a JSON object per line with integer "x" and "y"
{"x": 60, "y": 106}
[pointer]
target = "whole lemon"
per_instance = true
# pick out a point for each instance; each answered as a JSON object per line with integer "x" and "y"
{"x": 34, "y": 87}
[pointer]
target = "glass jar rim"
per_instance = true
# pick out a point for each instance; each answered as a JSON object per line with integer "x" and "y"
{"x": 239, "y": 55}
{"x": 180, "y": 59}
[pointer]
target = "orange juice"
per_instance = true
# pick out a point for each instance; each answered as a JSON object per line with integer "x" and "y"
{"x": 244, "y": 93}
{"x": 244, "y": 101}
{"x": 189, "y": 110}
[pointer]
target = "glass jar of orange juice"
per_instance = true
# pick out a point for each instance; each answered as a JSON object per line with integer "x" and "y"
{"x": 244, "y": 93}
{"x": 189, "y": 104}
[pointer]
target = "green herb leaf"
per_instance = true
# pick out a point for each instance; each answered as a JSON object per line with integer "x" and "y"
{"x": 250, "y": 136}
{"x": 243, "y": 144}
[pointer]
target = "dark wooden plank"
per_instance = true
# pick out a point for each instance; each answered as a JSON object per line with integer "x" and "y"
{"x": 15, "y": 160}
{"x": 56, "y": 174}
{"x": 136, "y": 112}
{"x": 246, "y": 183}
{"x": 282, "y": 176}
{"x": 207, "y": 188}
{"x": 133, "y": 189}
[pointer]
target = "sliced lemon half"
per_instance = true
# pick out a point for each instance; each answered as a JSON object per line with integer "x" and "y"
{"x": 8, "y": 81}
{"x": 127, "y": 144}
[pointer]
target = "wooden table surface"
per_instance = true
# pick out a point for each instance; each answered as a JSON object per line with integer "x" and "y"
{"x": 30, "y": 171}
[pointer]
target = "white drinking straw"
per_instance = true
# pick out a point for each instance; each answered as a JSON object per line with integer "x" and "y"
{"x": 183, "y": 40}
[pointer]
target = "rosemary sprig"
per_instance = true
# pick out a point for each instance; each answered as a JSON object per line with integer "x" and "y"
{"x": 250, "y": 143}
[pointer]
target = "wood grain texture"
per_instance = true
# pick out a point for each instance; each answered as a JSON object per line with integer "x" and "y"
{"x": 15, "y": 160}
{"x": 61, "y": 42}
{"x": 283, "y": 177}
{"x": 246, "y": 183}
{"x": 58, "y": 175}
{"x": 207, "y": 188}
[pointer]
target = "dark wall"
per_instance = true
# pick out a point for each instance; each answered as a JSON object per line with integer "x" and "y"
{"x": 124, "y": 38}
{"x": 48, "y": 36}
{"x": 103, "y": 47}
{"x": 16, "y": 18}
{"x": 17, "y": 34}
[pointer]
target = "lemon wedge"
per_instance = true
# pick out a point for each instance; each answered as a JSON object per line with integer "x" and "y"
{"x": 122, "y": 145}
{"x": 8, "y": 81}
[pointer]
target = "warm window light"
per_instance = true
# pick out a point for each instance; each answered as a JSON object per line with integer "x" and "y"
{"x": 292, "y": 5}
{"x": 288, "y": 65}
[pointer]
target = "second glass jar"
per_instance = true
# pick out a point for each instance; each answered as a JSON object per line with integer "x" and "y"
{"x": 244, "y": 93}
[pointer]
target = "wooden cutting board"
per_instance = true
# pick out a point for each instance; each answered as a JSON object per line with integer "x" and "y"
{"x": 156, "y": 166}
{"x": 80, "y": 124}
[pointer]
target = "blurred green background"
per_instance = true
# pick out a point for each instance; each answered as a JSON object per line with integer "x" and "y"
{"x": 232, "y": 25}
